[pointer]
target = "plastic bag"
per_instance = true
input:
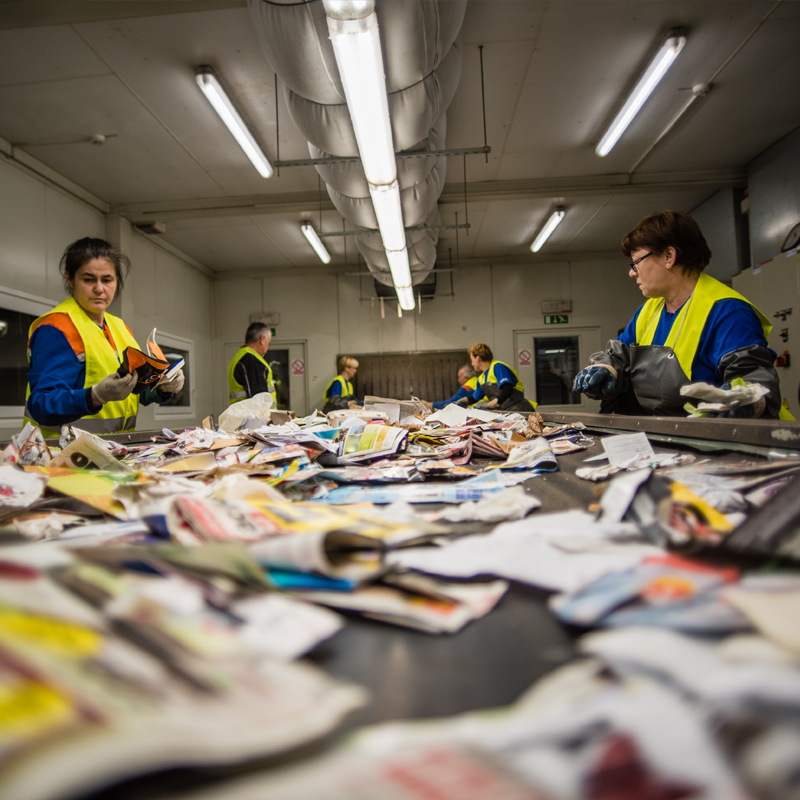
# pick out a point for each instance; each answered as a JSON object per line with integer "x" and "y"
{"x": 256, "y": 407}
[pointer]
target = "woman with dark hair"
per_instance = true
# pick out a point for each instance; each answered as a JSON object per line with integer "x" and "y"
{"x": 498, "y": 383}
{"x": 692, "y": 328}
{"x": 76, "y": 349}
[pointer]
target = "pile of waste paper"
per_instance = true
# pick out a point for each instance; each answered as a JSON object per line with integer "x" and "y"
{"x": 156, "y": 600}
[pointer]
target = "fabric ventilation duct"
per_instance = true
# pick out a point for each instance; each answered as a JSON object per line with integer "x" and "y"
{"x": 422, "y": 66}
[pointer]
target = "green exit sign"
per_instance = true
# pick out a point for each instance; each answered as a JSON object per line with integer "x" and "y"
{"x": 556, "y": 319}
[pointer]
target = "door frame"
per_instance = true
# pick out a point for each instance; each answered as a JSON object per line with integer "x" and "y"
{"x": 285, "y": 343}
{"x": 589, "y": 341}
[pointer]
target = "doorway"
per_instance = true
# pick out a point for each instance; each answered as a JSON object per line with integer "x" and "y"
{"x": 548, "y": 359}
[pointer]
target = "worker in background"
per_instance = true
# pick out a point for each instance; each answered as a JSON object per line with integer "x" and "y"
{"x": 467, "y": 383}
{"x": 76, "y": 349}
{"x": 248, "y": 373}
{"x": 691, "y": 328}
{"x": 339, "y": 393}
{"x": 499, "y": 385}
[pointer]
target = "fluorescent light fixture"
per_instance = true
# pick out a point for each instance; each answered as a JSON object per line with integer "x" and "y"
{"x": 549, "y": 227}
{"x": 353, "y": 27}
{"x": 398, "y": 264}
{"x": 316, "y": 242}
{"x": 405, "y": 298}
{"x": 207, "y": 81}
{"x": 386, "y": 201}
{"x": 650, "y": 78}
{"x": 357, "y": 47}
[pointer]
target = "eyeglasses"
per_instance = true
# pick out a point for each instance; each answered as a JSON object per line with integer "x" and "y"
{"x": 633, "y": 264}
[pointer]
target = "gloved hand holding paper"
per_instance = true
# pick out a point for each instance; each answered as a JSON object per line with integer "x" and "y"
{"x": 150, "y": 367}
{"x": 726, "y": 400}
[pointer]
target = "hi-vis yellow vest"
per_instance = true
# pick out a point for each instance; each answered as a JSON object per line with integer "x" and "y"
{"x": 347, "y": 388}
{"x": 492, "y": 378}
{"x": 687, "y": 328}
{"x": 236, "y": 390}
{"x": 101, "y": 360}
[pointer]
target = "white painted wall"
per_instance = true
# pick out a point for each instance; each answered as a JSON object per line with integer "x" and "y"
{"x": 37, "y": 223}
{"x": 490, "y": 303}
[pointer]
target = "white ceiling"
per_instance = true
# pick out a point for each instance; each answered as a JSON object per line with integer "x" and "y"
{"x": 555, "y": 75}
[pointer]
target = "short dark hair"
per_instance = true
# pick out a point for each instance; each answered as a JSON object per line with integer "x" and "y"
{"x": 670, "y": 229}
{"x": 482, "y": 351}
{"x": 85, "y": 250}
{"x": 255, "y": 330}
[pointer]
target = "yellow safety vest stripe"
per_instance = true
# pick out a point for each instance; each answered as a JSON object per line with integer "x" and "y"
{"x": 347, "y": 387}
{"x": 236, "y": 390}
{"x": 688, "y": 325}
{"x": 101, "y": 361}
{"x": 492, "y": 378}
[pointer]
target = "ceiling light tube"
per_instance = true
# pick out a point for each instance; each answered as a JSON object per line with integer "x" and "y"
{"x": 656, "y": 69}
{"x": 316, "y": 242}
{"x": 549, "y": 227}
{"x": 398, "y": 264}
{"x": 207, "y": 81}
{"x": 386, "y": 201}
{"x": 357, "y": 47}
{"x": 405, "y": 298}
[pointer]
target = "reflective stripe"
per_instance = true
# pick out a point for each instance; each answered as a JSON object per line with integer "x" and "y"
{"x": 492, "y": 378}
{"x": 346, "y": 388}
{"x": 237, "y": 395}
{"x": 88, "y": 424}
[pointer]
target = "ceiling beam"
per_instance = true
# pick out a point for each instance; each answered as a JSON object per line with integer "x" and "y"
{"x": 26, "y": 14}
{"x": 590, "y": 185}
{"x": 453, "y": 193}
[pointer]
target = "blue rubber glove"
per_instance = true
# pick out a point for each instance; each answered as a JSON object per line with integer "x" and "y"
{"x": 595, "y": 381}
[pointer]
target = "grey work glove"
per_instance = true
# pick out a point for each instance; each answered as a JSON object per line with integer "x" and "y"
{"x": 114, "y": 387}
{"x": 173, "y": 385}
{"x": 595, "y": 381}
{"x": 749, "y": 411}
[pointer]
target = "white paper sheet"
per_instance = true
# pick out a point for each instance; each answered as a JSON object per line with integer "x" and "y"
{"x": 536, "y": 550}
{"x": 453, "y": 415}
{"x": 627, "y": 449}
{"x": 282, "y": 628}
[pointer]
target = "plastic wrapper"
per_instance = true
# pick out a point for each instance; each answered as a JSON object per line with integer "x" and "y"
{"x": 256, "y": 407}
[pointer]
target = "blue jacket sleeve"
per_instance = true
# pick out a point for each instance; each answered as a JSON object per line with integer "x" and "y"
{"x": 462, "y": 392}
{"x": 731, "y": 325}
{"x": 56, "y": 378}
{"x": 504, "y": 375}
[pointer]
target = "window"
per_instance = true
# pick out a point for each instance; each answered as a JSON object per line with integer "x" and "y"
{"x": 17, "y": 311}
{"x": 175, "y": 348}
{"x": 557, "y": 364}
